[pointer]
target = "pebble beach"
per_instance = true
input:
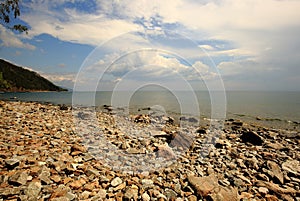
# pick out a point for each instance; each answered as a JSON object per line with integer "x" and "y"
{"x": 44, "y": 156}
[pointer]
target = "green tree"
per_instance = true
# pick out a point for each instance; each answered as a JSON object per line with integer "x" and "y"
{"x": 8, "y": 9}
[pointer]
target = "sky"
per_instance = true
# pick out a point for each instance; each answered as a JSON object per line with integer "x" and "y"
{"x": 109, "y": 44}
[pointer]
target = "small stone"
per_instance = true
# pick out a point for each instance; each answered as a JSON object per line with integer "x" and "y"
{"x": 147, "y": 183}
{"x": 116, "y": 181}
{"x": 263, "y": 190}
{"x": 120, "y": 187}
{"x": 131, "y": 193}
{"x": 192, "y": 198}
{"x": 78, "y": 183}
{"x": 85, "y": 195}
{"x": 170, "y": 194}
{"x": 146, "y": 197}
{"x": 70, "y": 196}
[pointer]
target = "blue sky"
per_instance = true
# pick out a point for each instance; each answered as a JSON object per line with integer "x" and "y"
{"x": 243, "y": 44}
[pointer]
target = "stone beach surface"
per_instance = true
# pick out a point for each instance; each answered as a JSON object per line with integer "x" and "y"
{"x": 46, "y": 155}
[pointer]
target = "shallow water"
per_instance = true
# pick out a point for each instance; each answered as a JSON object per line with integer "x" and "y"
{"x": 274, "y": 109}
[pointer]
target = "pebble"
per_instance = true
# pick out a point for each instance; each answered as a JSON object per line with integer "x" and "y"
{"x": 116, "y": 181}
{"x": 44, "y": 157}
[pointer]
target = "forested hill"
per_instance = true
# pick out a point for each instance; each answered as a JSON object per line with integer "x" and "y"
{"x": 16, "y": 79}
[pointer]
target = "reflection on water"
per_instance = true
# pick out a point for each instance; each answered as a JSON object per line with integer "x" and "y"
{"x": 273, "y": 108}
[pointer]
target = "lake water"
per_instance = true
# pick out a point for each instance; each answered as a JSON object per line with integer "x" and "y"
{"x": 276, "y": 109}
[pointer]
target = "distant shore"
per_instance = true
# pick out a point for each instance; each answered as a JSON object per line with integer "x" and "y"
{"x": 45, "y": 156}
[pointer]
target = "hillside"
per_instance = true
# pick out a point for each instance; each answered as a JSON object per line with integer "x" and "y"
{"x": 16, "y": 79}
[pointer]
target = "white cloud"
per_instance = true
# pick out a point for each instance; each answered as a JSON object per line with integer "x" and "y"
{"x": 60, "y": 79}
{"x": 9, "y": 39}
{"x": 264, "y": 34}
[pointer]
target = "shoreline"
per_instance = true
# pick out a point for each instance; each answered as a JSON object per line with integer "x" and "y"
{"x": 42, "y": 157}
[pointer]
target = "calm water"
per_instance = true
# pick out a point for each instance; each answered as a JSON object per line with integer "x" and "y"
{"x": 274, "y": 108}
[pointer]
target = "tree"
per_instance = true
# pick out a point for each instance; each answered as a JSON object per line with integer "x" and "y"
{"x": 8, "y": 9}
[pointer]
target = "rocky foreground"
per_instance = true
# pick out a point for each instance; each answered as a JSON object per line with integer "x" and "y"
{"x": 43, "y": 158}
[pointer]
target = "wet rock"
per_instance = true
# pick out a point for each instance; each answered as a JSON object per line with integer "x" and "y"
{"x": 251, "y": 137}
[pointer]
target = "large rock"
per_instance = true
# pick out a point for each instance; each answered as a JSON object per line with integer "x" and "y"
{"x": 208, "y": 187}
{"x": 252, "y": 137}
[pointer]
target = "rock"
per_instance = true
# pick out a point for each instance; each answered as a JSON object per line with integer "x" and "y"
{"x": 252, "y": 137}
{"x": 170, "y": 194}
{"x": 225, "y": 194}
{"x": 78, "y": 183}
{"x": 203, "y": 185}
{"x": 275, "y": 169}
{"x": 142, "y": 118}
{"x": 45, "y": 176}
{"x": 208, "y": 187}
{"x": 201, "y": 131}
{"x": 237, "y": 123}
{"x": 12, "y": 163}
{"x": 275, "y": 188}
{"x": 263, "y": 190}
{"x": 147, "y": 183}
{"x": 61, "y": 191}
{"x": 20, "y": 178}
{"x": 63, "y": 107}
{"x": 131, "y": 193}
{"x": 33, "y": 190}
{"x": 116, "y": 181}
{"x": 271, "y": 198}
{"x": 292, "y": 166}
{"x": 192, "y": 198}
{"x": 146, "y": 197}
